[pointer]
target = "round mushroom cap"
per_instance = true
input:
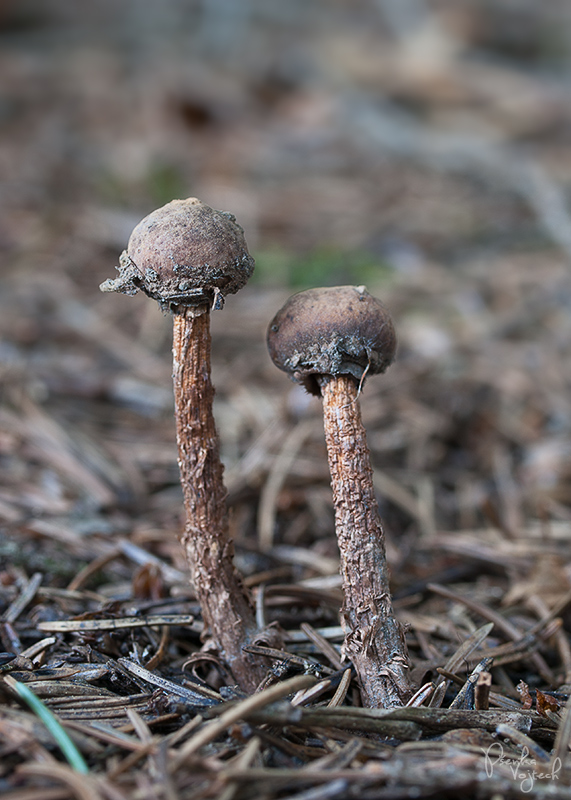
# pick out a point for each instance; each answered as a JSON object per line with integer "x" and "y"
{"x": 341, "y": 330}
{"x": 184, "y": 254}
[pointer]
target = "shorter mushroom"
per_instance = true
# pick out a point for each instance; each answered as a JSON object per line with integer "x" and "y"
{"x": 329, "y": 340}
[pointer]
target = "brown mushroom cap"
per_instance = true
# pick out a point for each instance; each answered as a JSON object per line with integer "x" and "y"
{"x": 341, "y": 330}
{"x": 184, "y": 254}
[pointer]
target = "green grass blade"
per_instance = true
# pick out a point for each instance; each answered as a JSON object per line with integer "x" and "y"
{"x": 68, "y": 748}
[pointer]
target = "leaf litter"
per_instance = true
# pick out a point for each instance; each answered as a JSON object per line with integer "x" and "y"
{"x": 469, "y": 431}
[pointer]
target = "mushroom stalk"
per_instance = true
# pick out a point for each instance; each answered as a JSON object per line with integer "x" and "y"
{"x": 226, "y": 609}
{"x": 374, "y": 639}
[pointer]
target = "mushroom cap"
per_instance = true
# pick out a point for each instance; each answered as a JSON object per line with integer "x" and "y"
{"x": 341, "y": 330}
{"x": 184, "y": 254}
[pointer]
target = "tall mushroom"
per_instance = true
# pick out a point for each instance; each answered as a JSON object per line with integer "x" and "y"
{"x": 188, "y": 257}
{"x": 329, "y": 340}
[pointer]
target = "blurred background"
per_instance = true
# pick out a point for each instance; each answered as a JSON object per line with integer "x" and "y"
{"x": 420, "y": 147}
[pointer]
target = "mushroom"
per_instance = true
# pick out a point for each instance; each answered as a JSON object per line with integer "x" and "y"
{"x": 188, "y": 257}
{"x": 329, "y": 340}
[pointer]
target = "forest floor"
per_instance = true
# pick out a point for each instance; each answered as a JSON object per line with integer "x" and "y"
{"x": 421, "y": 149}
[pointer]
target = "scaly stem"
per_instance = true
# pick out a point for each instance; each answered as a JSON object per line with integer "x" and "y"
{"x": 226, "y": 608}
{"x": 374, "y": 640}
